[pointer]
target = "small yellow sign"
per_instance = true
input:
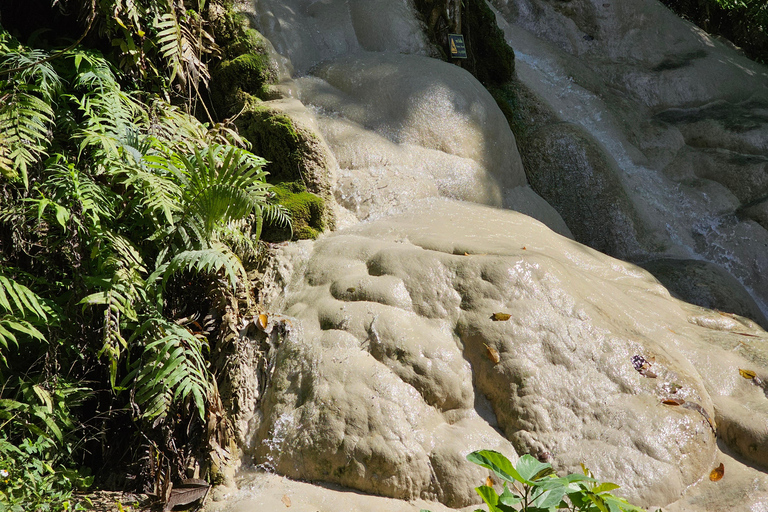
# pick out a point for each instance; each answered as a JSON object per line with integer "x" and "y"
{"x": 457, "y": 46}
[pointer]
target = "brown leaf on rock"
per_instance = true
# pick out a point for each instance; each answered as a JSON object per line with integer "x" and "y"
{"x": 717, "y": 473}
{"x": 286, "y": 500}
{"x": 747, "y": 374}
{"x": 500, "y": 317}
{"x": 673, "y": 401}
{"x": 493, "y": 354}
{"x": 262, "y": 321}
{"x": 185, "y": 495}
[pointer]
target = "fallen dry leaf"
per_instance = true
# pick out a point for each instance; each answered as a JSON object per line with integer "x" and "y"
{"x": 673, "y": 401}
{"x": 488, "y": 481}
{"x": 262, "y": 321}
{"x": 717, "y": 473}
{"x": 747, "y": 374}
{"x": 190, "y": 491}
{"x": 500, "y": 317}
{"x": 493, "y": 354}
{"x": 286, "y": 500}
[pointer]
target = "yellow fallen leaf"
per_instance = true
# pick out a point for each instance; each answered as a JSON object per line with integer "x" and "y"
{"x": 286, "y": 500}
{"x": 717, "y": 473}
{"x": 500, "y": 317}
{"x": 747, "y": 374}
{"x": 262, "y": 321}
{"x": 673, "y": 401}
{"x": 488, "y": 481}
{"x": 493, "y": 354}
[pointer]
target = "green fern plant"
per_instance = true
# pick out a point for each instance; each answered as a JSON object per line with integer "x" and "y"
{"x": 18, "y": 305}
{"x": 25, "y": 110}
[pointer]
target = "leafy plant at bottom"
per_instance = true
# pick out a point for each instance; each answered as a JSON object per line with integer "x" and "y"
{"x": 532, "y": 486}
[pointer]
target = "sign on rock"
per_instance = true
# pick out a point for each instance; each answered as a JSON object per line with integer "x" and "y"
{"x": 458, "y": 49}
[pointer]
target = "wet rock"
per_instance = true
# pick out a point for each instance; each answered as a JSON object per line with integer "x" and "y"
{"x": 570, "y": 170}
{"x": 706, "y": 285}
{"x": 380, "y": 390}
{"x": 757, "y": 211}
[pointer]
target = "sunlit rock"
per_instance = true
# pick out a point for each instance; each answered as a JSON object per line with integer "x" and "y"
{"x": 383, "y": 389}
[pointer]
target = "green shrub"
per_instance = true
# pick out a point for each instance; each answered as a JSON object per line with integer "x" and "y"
{"x": 532, "y": 486}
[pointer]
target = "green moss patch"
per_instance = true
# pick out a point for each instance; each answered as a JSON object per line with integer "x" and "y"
{"x": 250, "y": 73}
{"x": 275, "y": 138}
{"x": 492, "y": 59}
{"x": 306, "y": 213}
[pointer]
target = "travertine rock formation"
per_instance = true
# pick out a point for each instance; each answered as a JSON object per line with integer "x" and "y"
{"x": 385, "y": 386}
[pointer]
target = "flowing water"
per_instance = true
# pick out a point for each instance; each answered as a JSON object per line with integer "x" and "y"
{"x": 688, "y": 219}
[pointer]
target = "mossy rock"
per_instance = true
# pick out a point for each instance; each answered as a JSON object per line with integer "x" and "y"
{"x": 251, "y": 73}
{"x": 524, "y": 111}
{"x": 274, "y": 137}
{"x": 492, "y": 60}
{"x": 234, "y": 33}
{"x": 306, "y": 213}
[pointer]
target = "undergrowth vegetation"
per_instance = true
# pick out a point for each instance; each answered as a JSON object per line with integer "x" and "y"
{"x": 743, "y": 22}
{"x": 533, "y": 486}
{"x": 125, "y": 225}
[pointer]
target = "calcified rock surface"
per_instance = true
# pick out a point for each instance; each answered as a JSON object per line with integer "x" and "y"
{"x": 394, "y": 369}
{"x": 385, "y": 389}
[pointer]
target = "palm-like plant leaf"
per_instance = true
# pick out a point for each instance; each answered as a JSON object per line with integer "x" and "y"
{"x": 172, "y": 368}
{"x": 18, "y": 305}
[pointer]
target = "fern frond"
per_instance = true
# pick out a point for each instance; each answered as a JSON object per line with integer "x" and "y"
{"x": 17, "y": 299}
{"x": 221, "y": 184}
{"x": 171, "y": 43}
{"x": 219, "y": 258}
{"x": 172, "y": 369}
{"x": 276, "y": 214}
{"x": 24, "y": 121}
{"x": 18, "y": 305}
{"x": 72, "y": 189}
{"x": 177, "y": 129}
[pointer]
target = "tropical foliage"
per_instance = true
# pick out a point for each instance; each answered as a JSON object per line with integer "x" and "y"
{"x": 126, "y": 227}
{"x": 533, "y": 486}
{"x": 743, "y": 22}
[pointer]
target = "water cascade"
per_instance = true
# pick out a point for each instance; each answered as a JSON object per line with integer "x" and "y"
{"x": 638, "y": 135}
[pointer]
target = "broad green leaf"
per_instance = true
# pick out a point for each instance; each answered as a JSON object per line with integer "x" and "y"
{"x": 509, "y": 498}
{"x": 498, "y": 463}
{"x": 549, "y": 498}
{"x": 492, "y": 499}
{"x": 605, "y": 487}
{"x": 531, "y": 469}
{"x": 599, "y": 502}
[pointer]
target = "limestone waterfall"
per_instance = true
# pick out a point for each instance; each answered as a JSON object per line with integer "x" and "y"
{"x": 626, "y": 215}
